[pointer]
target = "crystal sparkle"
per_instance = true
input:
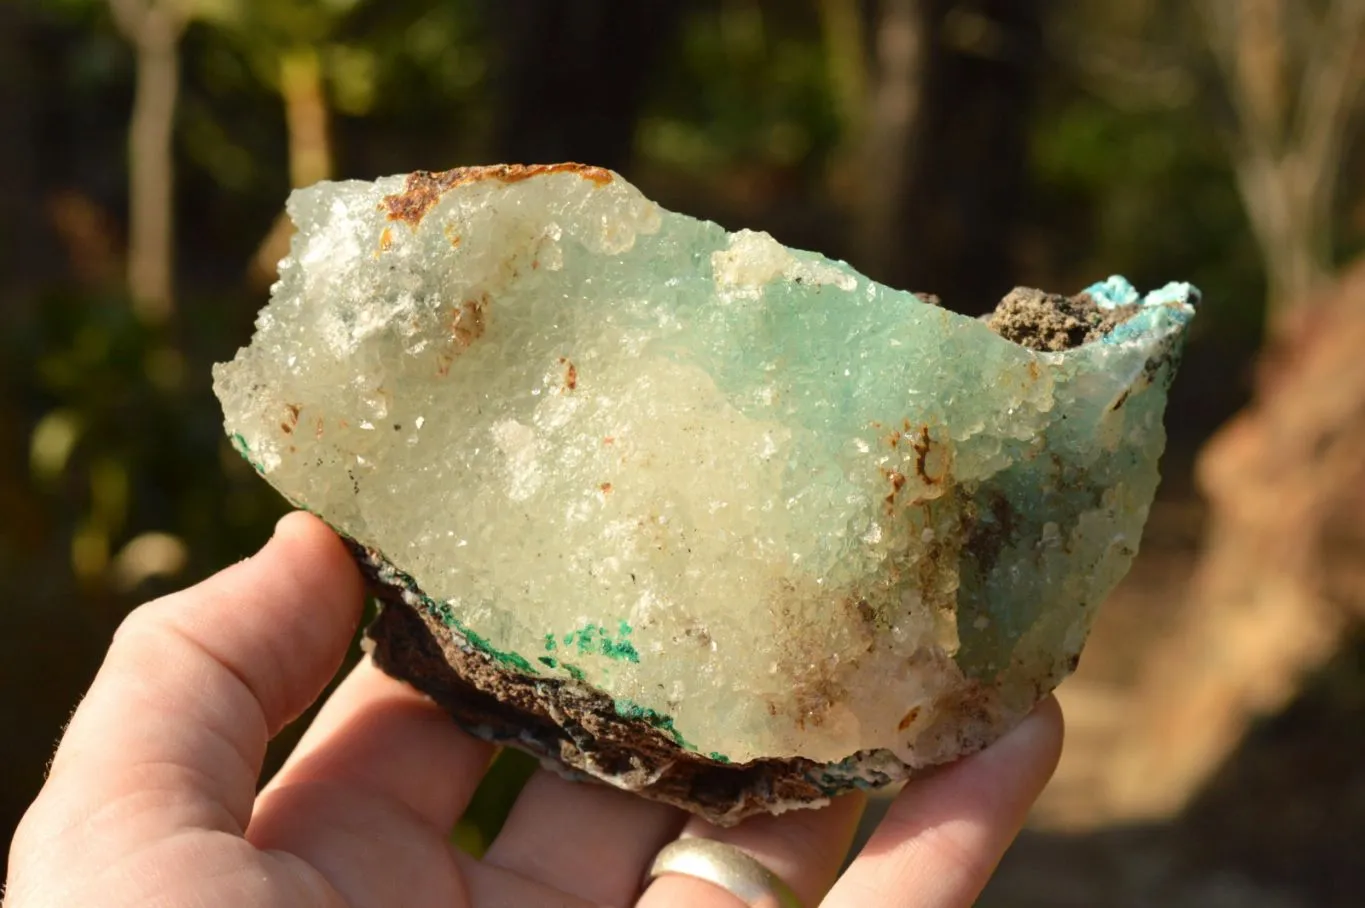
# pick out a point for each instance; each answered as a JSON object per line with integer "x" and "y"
{"x": 761, "y": 504}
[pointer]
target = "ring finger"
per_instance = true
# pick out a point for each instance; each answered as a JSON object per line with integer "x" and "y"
{"x": 803, "y": 848}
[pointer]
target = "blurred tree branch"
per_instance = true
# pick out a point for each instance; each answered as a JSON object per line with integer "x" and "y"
{"x": 310, "y": 151}
{"x": 154, "y": 28}
{"x": 901, "y": 33}
{"x": 1293, "y": 81}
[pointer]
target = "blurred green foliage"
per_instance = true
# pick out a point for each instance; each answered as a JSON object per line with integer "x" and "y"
{"x": 493, "y": 800}
{"x": 110, "y": 438}
{"x": 741, "y": 89}
{"x": 142, "y": 443}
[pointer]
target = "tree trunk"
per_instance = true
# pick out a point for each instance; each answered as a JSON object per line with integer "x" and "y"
{"x": 305, "y": 114}
{"x": 946, "y": 145}
{"x": 1291, "y": 230}
{"x": 892, "y": 135}
{"x": 310, "y": 151}
{"x": 841, "y": 21}
{"x": 154, "y": 31}
{"x": 572, "y": 76}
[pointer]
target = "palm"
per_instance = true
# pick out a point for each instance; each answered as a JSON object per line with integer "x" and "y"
{"x": 152, "y": 797}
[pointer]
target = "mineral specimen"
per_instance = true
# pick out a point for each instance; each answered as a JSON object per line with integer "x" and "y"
{"x": 713, "y": 520}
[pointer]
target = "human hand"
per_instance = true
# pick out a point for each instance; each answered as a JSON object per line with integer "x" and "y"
{"x": 151, "y": 799}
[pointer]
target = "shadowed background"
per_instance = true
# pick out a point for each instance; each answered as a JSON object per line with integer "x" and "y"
{"x": 960, "y": 147}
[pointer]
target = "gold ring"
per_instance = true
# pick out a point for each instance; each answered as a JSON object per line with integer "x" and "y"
{"x": 727, "y": 867}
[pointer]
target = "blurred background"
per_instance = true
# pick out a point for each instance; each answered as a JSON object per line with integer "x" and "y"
{"x": 1217, "y": 724}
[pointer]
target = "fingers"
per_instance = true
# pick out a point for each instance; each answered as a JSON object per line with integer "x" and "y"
{"x": 195, "y": 683}
{"x": 371, "y": 792}
{"x": 379, "y": 736}
{"x": 944, "y": 834}
{"x": 495, "y": 887}
{"x": 381, "y": 776}
{"x": 590, "y": 841}
{"x": 804, "y": 848}
{"x": 372, "y": 853}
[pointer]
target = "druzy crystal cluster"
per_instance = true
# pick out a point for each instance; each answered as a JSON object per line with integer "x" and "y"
{"x": 687, "y": 511}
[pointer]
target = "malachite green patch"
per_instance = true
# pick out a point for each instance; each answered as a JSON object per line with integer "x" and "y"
{"x": 627, "y": 709}
{"x": 244, "y": 449}
{"x": 593, "y": 638}
{"x": 480, "y": 643}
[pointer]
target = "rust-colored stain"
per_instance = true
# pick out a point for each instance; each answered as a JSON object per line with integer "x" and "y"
{"x": 469, "y": 321}
{"x": 865, "y": 611}
{"x": 424, "y": 188}
{"x": 385, "y": 239}
{"x": 292, "y": 420}
{"x": 570, "y": 374}
{"x": 1033, "y": 371}
{"x": 815, "y": 697}
{"x": 606, "y": 488}
{"x": 609, "y": 440}
{"x": 897, "y": 481}
{"x": 922, "y": 445}
{"x": 909, "y": 718}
